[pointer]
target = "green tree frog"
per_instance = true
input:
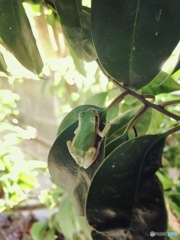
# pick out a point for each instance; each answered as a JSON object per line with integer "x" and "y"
{"x": 85, "y": 146}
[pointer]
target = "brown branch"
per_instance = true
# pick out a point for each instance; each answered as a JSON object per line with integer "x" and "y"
{"x": 136, "y": 117}
{"x": 173, "y": 130}
{"x": 170, "y": 102}
{"x": 118, "y": 99}
{"x": 145, "y": 102}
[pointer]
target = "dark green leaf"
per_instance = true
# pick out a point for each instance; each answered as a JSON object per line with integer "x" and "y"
{"x": 116, "y": 143}
{"x": 125, "y": 197}
{"x": 76, "y": 24}
{"x": 16, "y": 33}
{"x": 134, "y": 38}
{"x": 119, "y": 124}
{"x": 123, "y": 133}
{"x": 143, "y": 123}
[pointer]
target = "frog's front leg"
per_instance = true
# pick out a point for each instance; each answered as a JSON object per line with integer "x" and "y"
{"x": 104, "y": 132}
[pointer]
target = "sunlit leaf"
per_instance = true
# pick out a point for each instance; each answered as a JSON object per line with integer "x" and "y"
{"x": 15, "y": 31}
{"x": 134, "y": 38}
{"x": 98, "y": 99}
{"x": 76, "y": 24}
{"x": 162, "y": 83}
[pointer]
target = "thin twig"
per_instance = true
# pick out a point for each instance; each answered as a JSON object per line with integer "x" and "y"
{"x": 118, "y": 99}
{"x": 173, "y": 130}
{"x": 145, "y": 102}
{"x": 170, "y": 102}
{"x": 136, "y": 117}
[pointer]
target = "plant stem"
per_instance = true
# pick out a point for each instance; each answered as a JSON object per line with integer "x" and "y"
{"x": 136, "y": 117}
{"x": 170, "y": 103}
{"x": 173, "y": 130}
{"x": 118, "y": 99}
{"x": 141, "y": 98}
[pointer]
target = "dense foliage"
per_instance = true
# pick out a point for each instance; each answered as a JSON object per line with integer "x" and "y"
{"x": 121, "y": 190}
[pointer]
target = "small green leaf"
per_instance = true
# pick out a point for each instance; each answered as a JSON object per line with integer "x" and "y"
{"x": 99, "y": 99}
{"x": 38, "y": 229}
{"x": 175, "y": 203}
{"x": 67, "y": 218}
{"x": 119, "y": 123}
{"x": 16, "y": 33}
{"x": 162, "y": 83}
{"x": 166, "y": 182}
{"x": 143, "y": 123}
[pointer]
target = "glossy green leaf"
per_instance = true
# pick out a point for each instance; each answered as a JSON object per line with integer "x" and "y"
{"x": 124, "y": 128}
{"x": 76, "y": 24}
{"x": 16, "y": 33}
{"x": 99, "y": 99}
{"x": 162, "y": 83}
{"x": 64, "y": 171}
{"x": 143, "y": 123}
{"x": 120, "y": 123}
{"x": 134, "y": 38}
{"x": 109, "y": 148}
{"x": 125, "y": 197}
